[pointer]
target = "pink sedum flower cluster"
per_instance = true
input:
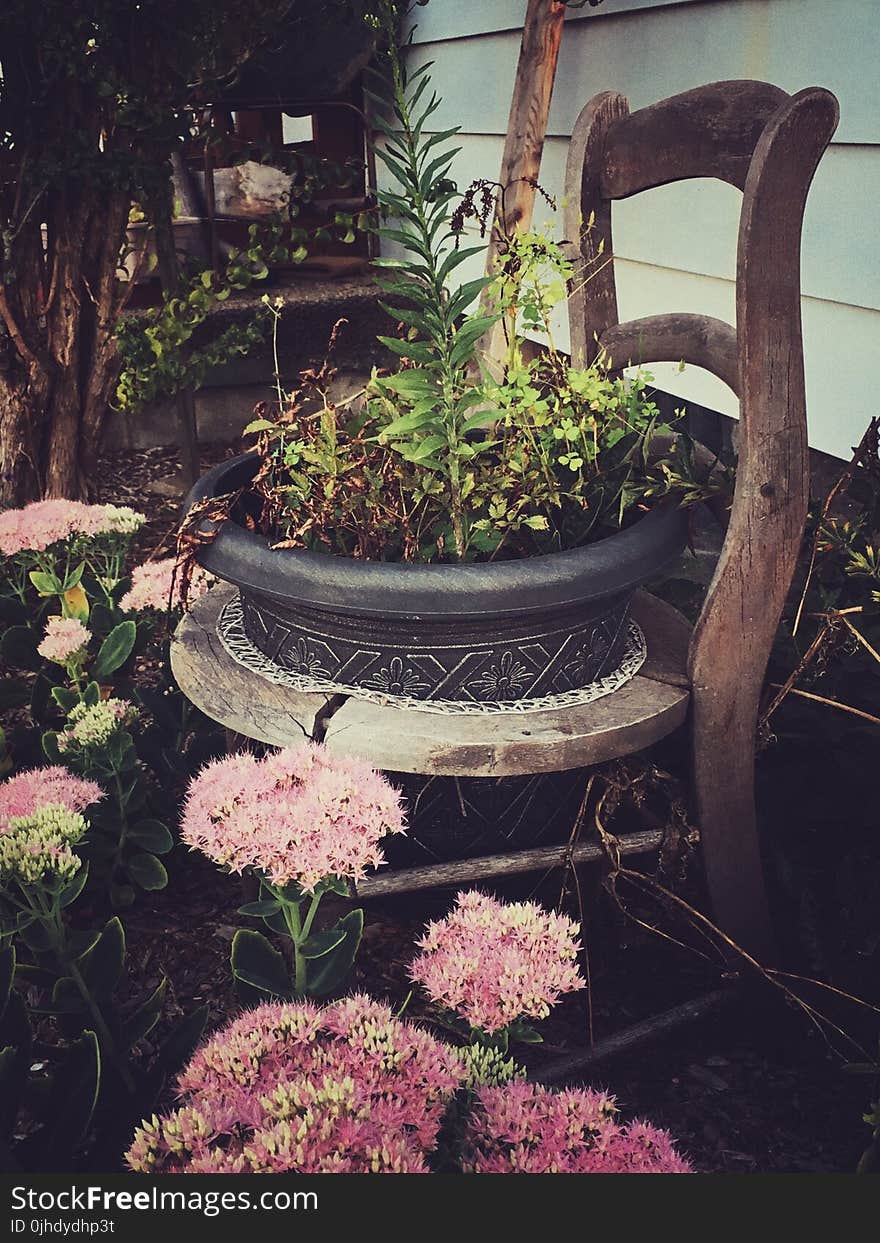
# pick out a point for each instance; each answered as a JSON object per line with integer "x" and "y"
{"x": 299, "y": 815}
{"x": 29, "y": 791}
{"x": 523, "y": 1128}
{"x": 493, "y": 962}
{"x": 291, "y": 1087}
{"x": 91, "y": 726}
{"x": 349, "y": 1088}
{"x": 38, "y": 526}
{"x": 65, "y": 639}
{"x": 151, "y": 586}
{"x": 40, "y": 821}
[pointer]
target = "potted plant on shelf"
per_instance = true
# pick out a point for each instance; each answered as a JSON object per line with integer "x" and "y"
{"x": 457, "y": 538}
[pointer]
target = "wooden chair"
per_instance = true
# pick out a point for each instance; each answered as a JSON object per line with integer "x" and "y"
{"x": 767, "y": 144}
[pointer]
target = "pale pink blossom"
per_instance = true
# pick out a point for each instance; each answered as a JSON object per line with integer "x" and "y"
{"x": 523, "y": 1128}
{"x": 98, "y": 520}
{"x": 65, "y": 639}
{"x": 495, "y": 962}
{"x": 292, "y": 1087}
{"x": 301, "y": 815}
{"x": 28, "y": 791}
{"x": 39, "y": 525}
{"x": 151, "y": 586}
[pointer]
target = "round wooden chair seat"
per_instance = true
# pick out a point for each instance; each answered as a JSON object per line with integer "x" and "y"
{"x": 402, "y": 740}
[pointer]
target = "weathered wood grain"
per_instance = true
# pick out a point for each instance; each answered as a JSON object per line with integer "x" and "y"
{"x": 710, "y": 131}
{"x": 524, "y": 141}
{"x": 570, "y": 1065}
{"x": 735, "y": 631}
{"x": 465, "y": 871}
{"x": 238, "y": 699}
{"x": 592, "y": 293}
{"x": 631, "y": 719}
{"x": 700, "y": 340}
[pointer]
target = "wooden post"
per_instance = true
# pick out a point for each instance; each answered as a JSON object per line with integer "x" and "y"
{"x": 524, "y": 143}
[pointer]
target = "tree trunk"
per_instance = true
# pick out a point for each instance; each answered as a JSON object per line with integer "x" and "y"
{"x": 59, "y": 365}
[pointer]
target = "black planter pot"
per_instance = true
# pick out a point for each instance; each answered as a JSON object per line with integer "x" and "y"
{"x": 492, "y": 632}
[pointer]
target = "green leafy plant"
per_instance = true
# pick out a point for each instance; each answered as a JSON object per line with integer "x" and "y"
{"x": 441, "y": 463}
{"x": 321, "y": 960}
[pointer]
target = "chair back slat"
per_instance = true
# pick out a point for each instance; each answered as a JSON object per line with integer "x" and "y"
{"x": 697, "y": 339}
{"x": 711, "y": 131}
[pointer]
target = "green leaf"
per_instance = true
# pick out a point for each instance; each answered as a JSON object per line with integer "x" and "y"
{"x": 46, "y": 584}
{"x": 415, "y": 382}
{"x": 64, "y": 698}
{"x": 256, "y": 963}
{"x": 102, "y": 965}
{"x": 121, "y": 895}
{"x": 457, "y": 257}
{"x": 151, "y": 835}
{"x": 145, "y": 1017}
{"x": 75, "y": 1095}
{"x": 260, "y": 910}
{"x": 419, "y": 351}
{"x": 465, "y": 294}
{"x": 74, "y": 577}
{"x": 422, "y": 450}
{"x": 71, "y": 892}
{"x": 178, "y": 1045}
{"x": 7, "y": 975}
{"x": 146, "y": 871}
{"x": 50, "y": 747}
{"x": 321, "y": 943}
{"x": 407, "y": 423}
{"x": 115, "y": 650}
{"x": 334, "y": 967}
{"x": 92, "y": 695}
{"x": 524, "y": 1033}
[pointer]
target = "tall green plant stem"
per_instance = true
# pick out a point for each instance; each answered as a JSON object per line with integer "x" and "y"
{"x": 48, "y": 915}
{"x": 449, "y": 374}
{"x": 299, "y": 930}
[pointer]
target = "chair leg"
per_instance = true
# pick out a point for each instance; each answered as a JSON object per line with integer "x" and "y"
{"x": 724, "y": 797}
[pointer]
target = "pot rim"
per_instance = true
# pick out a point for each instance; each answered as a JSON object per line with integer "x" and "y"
{"x": 613, "y": 566}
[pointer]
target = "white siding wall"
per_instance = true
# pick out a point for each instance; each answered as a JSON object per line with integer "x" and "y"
{"x": 676, "y": 245}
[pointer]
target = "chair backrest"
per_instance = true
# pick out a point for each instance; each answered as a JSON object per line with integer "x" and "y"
{"x": 767, "y": 144}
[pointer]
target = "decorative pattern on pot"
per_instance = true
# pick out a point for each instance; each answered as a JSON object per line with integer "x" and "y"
{"x": 484, "y": 661}
{"x": 231, "y": 632}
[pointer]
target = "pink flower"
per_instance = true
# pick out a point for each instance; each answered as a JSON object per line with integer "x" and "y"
{"x": 65, "y": 638}
{"x": 39, "y": 525}
{"x": 523, "y": 1128}
{"x": 151, "y": 586}
{"x": 28, "y": 791}
{"x": 300, "y": 815}
{"x": 291, "y": 1087}
{"x": 494, "y": 962}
